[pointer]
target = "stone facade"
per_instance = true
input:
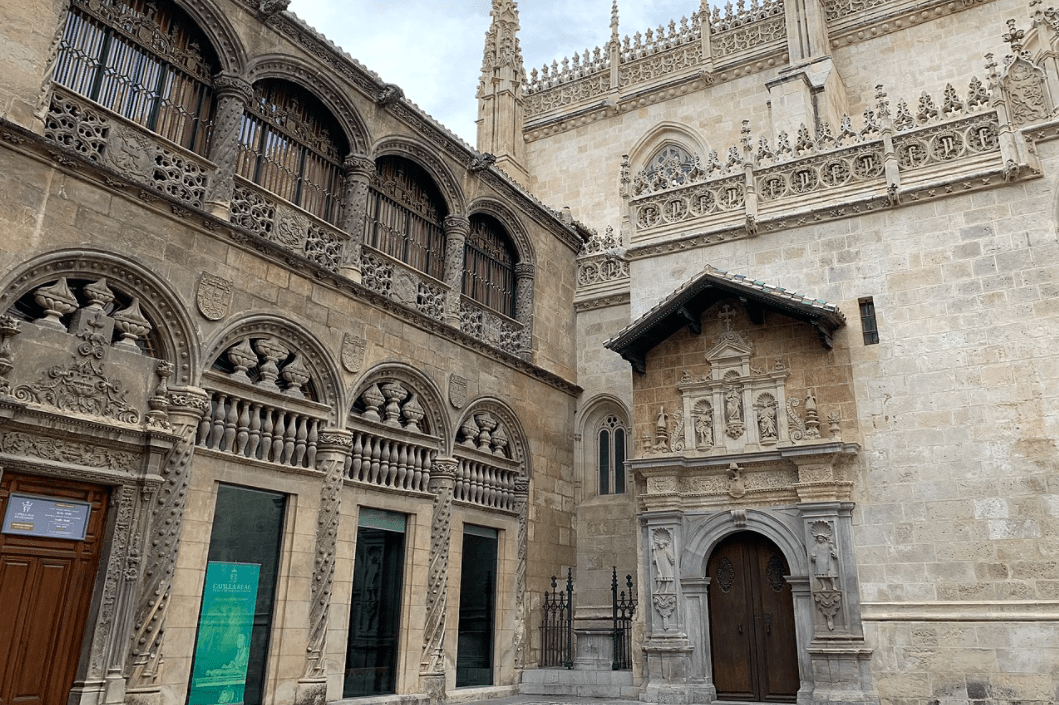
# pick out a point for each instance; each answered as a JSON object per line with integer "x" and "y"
{"x": 890, "y": 159}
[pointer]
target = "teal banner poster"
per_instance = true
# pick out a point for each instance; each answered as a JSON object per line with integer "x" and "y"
{"x": 222, "y": 651}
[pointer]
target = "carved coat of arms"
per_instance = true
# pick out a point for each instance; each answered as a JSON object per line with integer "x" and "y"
{"x": 353, "y": 353}
{"x": 214, "y": 297}
{"x": 457, "y": 391}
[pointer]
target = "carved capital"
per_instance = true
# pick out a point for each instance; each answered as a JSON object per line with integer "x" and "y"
{"x": 456, "y": 225}
{"x": 226, "y": 85}
{"x": 525, "y": 270}
{"x": 356, "y": 166}
{"x": 190, "y": 401}
{"x": 443, "y": 471}
{"x": 334, "y": 441}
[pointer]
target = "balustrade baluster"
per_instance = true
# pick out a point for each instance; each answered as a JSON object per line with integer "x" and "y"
{"x": 428, "y": 460}
{"x": 242, "y": 433}
{"x": 356, "y": 458}
{"x": 288, "y": 438}
{"x": 310, "y": 443}
{"x": 460, "y": 491}
{"x": 299, "y": 442}
{"x": 391, "y": 478}
{"x": 376, "y": 450}
{"x": 488, "y": 486}
{"x": 476, "y": 483}
{"x": 402, "y": 467}
{"x": 230, "y": 421}
{"x": 277, "y": 436}
{"x": 417, "y": 467}
{"x": 219, "y": 412}
{"x": 267, "y": 434}
{"x": 206, "y": 425}
{"x": 254, "y": 438}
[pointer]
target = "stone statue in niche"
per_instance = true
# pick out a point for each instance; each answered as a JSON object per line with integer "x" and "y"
{"x": 766, "y": 419}
{"x": 663, "y": 560}
{"x": 824, "y": 556}
{"x": 733, "y": 412}
{"x": 703, "y": 425}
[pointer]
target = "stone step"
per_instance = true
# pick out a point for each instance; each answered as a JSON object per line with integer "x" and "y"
{"x": 578, "y": 683}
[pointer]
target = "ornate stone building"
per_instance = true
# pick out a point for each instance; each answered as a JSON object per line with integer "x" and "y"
{"x": 846, "y": 494}
{"x": 303, "y": 399}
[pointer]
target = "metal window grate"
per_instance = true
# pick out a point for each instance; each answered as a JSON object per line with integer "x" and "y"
{"x": 489, "y": 266}
{"x": 156, "y": 76}
{"x": 405, "y": 213}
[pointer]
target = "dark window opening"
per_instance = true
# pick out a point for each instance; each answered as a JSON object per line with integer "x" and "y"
{"x": 405, "y": 213}
{"x": 489, "y": 266}
{"x": 610, "y": 462}
{"x": 474, "y": 652}
{"x": 375, "y": 611}
{"x": 868, "y": 324}
{"x": 290, "y": 145}
{"x": 147, "y": 62}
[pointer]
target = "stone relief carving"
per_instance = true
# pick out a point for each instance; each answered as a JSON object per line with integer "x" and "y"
{"x": 120, "y": 554}
{"x": 703, "y": 416}
{"x": 442, "y": 478}
{"x": 1026, "y": 89}
{"x": 80, "y": 387}
{"x": 9, "y": 328}
{"x": 74, "y": 126}
{"x": 93, "y": 456}
{"x": 766, "y": 418}
{"x": 213, "y": 296}
{"x": 353, "y": 348}
{"x": 824, "y": 556}
{"x": 665, "y": 570}
{"x": 518, "y": 641}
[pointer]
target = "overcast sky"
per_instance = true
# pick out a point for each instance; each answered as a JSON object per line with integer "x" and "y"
{"x": 433, "y": 49}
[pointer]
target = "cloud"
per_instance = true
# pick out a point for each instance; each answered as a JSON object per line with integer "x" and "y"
{"x": 433, "y": 50}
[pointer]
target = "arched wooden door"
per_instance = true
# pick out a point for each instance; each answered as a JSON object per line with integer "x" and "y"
{"x": 752, "y": 636}
{"x": 45, "y": 587}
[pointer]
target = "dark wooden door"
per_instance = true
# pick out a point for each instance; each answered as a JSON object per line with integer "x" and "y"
{"x": 752, "y": 638}
{"x": 45, "y": 592}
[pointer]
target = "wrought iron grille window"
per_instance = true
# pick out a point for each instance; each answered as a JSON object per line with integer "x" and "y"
{"x": 405, "y": 213}
{"x": 290, "y": 146}
{"x": 611, "y": 458}
{"x": 148, "y": 63}
{"x": 489, "y": 266}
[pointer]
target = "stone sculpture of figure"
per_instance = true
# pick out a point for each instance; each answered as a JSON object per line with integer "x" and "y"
{"x": 732, "y": 405}
{"x": 704, "y": 428}
{"x": 662, "y": 557}
{"x": 766, "y": 421}
{"x": 825, "y": 559}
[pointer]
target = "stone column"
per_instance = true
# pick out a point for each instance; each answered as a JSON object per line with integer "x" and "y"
{"x": 232, "y": 94}
{"x": 457, "y": 228}
{"x": 524, "y": 273}
{"x": 332, "y": 449}
{"x": 432, "y": 664}
{"x": 144, "y": 665}
{"x": 666, "y": 648}
{"x": 356, "y": 179}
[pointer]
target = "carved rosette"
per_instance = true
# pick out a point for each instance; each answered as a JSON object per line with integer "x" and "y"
{"x": 186, "y": 408}
{"x": 332, "y": 449}
{"x": 442, "y": 482}
{"x": 456, "y": 230}
{"x": 232, "y": 94}
{"x": 518, "y": 640}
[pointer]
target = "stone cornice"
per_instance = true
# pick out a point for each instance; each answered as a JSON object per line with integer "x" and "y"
{"x": 976, "y": 611}
{"x": 802, "y": 451}
{"x": 36, "y": 146}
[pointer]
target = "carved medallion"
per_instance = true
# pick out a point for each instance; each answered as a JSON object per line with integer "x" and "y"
{"x": 457, "y": 391}
{"x": 774, "y": 571}
{"x": 725, "y": 575}
{"x": 353, "y": 352}
{"x": 405, "y": 288}
{"x": 214, "y": 297}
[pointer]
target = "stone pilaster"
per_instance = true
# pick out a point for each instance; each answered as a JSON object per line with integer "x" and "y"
{"x": 518, "y": 641}
{"x": 456, "y": 230}
{"x": 432, "y": 664}
{"x": 232, "y": 94}
{"x": 332, "y": 450}
{"x": 356, "y": 179}
{"x": 144, "y": 665}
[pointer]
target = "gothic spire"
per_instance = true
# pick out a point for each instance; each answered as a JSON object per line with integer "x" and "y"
{"x": 614, "y": 23}
{"x": 502, "y": 58}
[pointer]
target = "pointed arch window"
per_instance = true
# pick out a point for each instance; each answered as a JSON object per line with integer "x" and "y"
{"x": 610, "y": 458}
{"x": 290, "y": 145}
{"x": 405, "y": 214}
{"x": 147, "y": 62}
{"x": 489, "y": 266}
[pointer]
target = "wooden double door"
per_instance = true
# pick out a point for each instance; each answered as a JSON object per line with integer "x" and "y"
{"x": 752, "y": 636}
{"x": 45, "y": 592}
